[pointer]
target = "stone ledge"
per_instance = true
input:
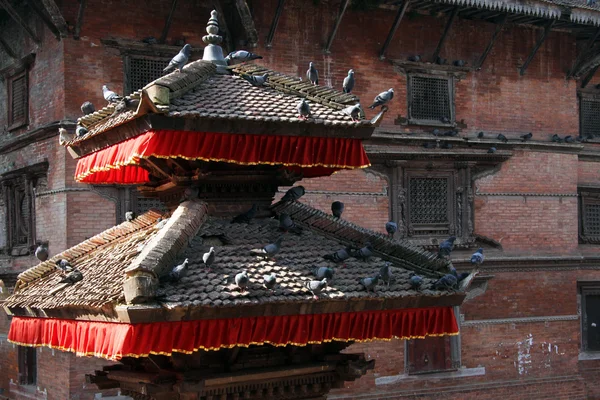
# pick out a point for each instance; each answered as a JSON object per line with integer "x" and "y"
{"x": 460, "y": 373}
{"x": 589, "y": 355}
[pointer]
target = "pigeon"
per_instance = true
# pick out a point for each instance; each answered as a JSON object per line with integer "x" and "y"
{"x": 440, "y": 61}
{"x": 491, "y": 150}
{"x": 430, "y": 145}
{"x": 241, "y": 56}
{"x": 348, "y": 84}
{"x": 339, "y": 256}
{"x": 294, "y": 193}
{"x": 269, "y": 250}
{"x": 109, "y": 95}
{"x": 179, "y": 60}
{"x": 303, "y": 109}
{"x": 245, "y": 217}
{"x": 323, "y": 272}
{"x": 382, "y": 98}
{"x": 502, "y": 138}
{"x": 353, "y": 111}
{"x": 41, "y": 252}
{"x": 286, "y": 224}
{"x": 64, "y": 266}
{"x": 556, "y": 138}
{"x": 579, "y": 138}
{"x": 80, "y": 130}
{"x": 160, "y": 223}
{"x": 415, "y": 58}
{"x": 446, "y": 247}
{"x": 125, "y": 104}
{"x": 415, "y": 282}
{"x": 478, "y": 257}
{"x": 72, "y": 277}
{"x": 480, "y": 135}
{"x": 369, "y": 283}
{"x": 462, "y": 276}
{"x": 337, "y": 208}
{"x": 448, "y": 281}
{"x": 178, "y": 272}
{"x": 364, "y": 253}
{"x": 391, "y": 227}
{"x": 64, "y": 137}
{"x": 256, "y": 80}
{"x": 436, "y": 132}
{"x": 209, "y": 258}
{"x": 446, "y": 145}
{"x": 526, "y": 137}
{"x": 241, "y": 280}
{"x": 129, "y": 216}
{"x": 150, "y": 40}
{"x": 191, "y": 193}
{"x": 459, "y": 63}
{"x": 316, "y": 287}
{"x": 270, "y": 281}
{"x": 385, "y": 273}
{"x": 445, "y": 120}
{"x": 569, "y": 139}
{"x": 590, "y": 2}
{"x": 452, "y": 133}
{"x": 87, "y": 108}
{"x": 312, "y": 74}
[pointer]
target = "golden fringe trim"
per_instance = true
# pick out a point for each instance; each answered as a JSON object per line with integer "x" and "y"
{"x": 195, "y": 349}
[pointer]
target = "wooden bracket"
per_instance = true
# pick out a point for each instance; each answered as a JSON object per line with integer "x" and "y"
{"x": 338, "y": 21}
{"x": 394, "y": 28}
{"x": 15, "y": 15}
{"x": 56, "y": 16}
{"x": 436, "y": 53}
{"x": 247, "y": 22}
{"x": 495, "y": 35}
{"x": 537, "y": 46}
{"x": 4, "y": 46}
{"x": 588, "y": 46}
{"x": 79, "y": 23}
{"x": 168, "y": 21}
{"x": 274, "y": 23}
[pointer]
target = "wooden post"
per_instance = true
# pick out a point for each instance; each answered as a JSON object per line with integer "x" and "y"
{"x": 536, "y": 47}
{"x": 274, "y": 23}
{"x": 223, "y": 26}
{"x": 15, "y": 15}
{"x": 583, "y": 52}
{"x": 57, "y": 19}
{"x": 338, "y": 21}
{"x": 487, "y": 50}
{"x": 167, "y": 26}
{"x": 395, "y": 26}
{"x": 247, "y": 22}
{"x": 79, "y": 22}
{"x": 436, "y": 53}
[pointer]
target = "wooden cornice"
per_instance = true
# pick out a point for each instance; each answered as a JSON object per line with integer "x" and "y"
{"x": 42, "y": 133}
{"x": 127, "y": 46}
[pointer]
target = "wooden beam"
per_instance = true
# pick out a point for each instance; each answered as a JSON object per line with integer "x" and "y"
{"x": 274, "y": 23}
{"x": 223, "y": 26}
{"x": 79, "y": 22}
{"x": 583, "y": 53}
{"x": 47, "y": 21}
{"x": 336, "y": 25}
{"x": 436, "y": 53}
{"x": 247, "y": 22}
{"x": 4, "y": 46}
{"x": 394, "y": 28}
{"x": 15, "y": 15}
{"x": 487, "y": 50}
{"x": 589, "y": 77}
{"x": 537, "y": 46}
{"x": 168, "y": 21}
{"x": 56, "y": 16}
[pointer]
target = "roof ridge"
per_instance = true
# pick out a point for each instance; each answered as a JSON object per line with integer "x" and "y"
{"x": 105, "y": 112}
{"x": 101, "y": 239}
{"x": 410, "y": 256}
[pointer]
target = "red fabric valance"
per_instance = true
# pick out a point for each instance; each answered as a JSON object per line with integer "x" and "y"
{"x": 314, "y": 156}
{"x": 115, "y": 340}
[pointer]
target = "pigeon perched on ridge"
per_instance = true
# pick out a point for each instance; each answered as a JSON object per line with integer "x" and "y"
{"x": 129, "y": 216}
{"x": 459, "y": 63}
{"x": 80, "y": 131}
{"x": 440, "y": 61}
{"x": 270, "y": 281}
{"x": 64, "y": 266}
{"x": 286, "y": 224}
{"x": 294, "y": 193}
{"x": 339, "y": 256}
{"x": 312, "y": 74}
{"x": 241, "y": 56}
{"x": 323, "y": 272}
{"x": 316, "y": 287}
{"x": 303, "y": 109}
{"x": 364, "y": 253}
{"x": 246, "y": 217}
{"x": 556, "y": 139}
{"x": 269, "y": 250}
{"x": 369, "y": 283}
{"x": 491, "y": 150}
{"x": 125, "y": 104}
{"x": 447, "y": 282}
{"x": 337, "y": 208}
{"x": 256, "y": 80}
{"x": 241, "y": 280}
{"x": 179, "y": 60}
{"x": 415, "y": 58}
{"x": 480, "y": 135}
{"x": 64, "y": 136}
{"x": 569, "y": 139}
{"x": 150, "y": 40}
{"x": 382, "y": 98}
{"x": 446, "y": 247}
{"x": 415, "y": 282}
{"x": 41, "y": 252}
{"x": 209, "y": 258}
{"x": 391, "y": 227}
{"x": 478, "y": 257}
{"x": 353, "y": 111}
{"x": 385, "y": 273}
{"x": 178, "y": 272}
{"x": 109, "y": 95}
{"x": 87, "y": 108}
{"x": 502, "y": 138}
{"x": 72, "y": 277}
{"x": 348, "y": 84}
{"x": 526, "y": 137}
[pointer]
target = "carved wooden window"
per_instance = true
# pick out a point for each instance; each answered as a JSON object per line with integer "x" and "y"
{"x": 589, "y": 115}
{"x": 590, "y": 315}
{"x": 141, "y": 70}
{"x": 18, "y": 100}
{"x": 27, "y": 359}
{"x": 430, "y": 203}
{"x": 589, "y": 215}
{"x": 430, "y": 99}
{"x": 144, "y": 204}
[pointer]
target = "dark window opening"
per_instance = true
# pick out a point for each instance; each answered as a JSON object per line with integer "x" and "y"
{"x": 589, "y": 215}
{"x": 429, "y": 355}
{"x": 589, "y": 115}
{"x": 141, "y": 70}
{"x": 590, "y": 316}
{"x": 430, "y": 100}
{"x": 27, "y": 365}
{"x": 18, "y": 100}
{"x": 430, "y": 203}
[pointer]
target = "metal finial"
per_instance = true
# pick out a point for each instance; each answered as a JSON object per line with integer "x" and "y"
{"x": 212, "y": 28}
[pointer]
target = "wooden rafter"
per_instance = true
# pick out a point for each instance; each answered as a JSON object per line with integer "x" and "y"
{"x": 537, "y": 46}
{"x": 583, "y": 53}
{"x": 4, "y": 46}
{"x": 15, "y": 15}
{"x": 57, "y": 18}
{"x": 394, "y": 28}
{"x": 167, "y": 27}
{"x": 247, "y": 22}
{"x": 47, "y": 21}
{"x": 589, "y": 76}
{"x": 490, "y": 45}
{"x": 223, "y": 26}
{"x": 336, "y": 25}
{"x": 436, "y": 53}
{"x": 79, "y": 23}
{"x": 275, "y": 23}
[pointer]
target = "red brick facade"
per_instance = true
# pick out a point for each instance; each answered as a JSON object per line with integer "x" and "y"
{"x": 523, "y": 334}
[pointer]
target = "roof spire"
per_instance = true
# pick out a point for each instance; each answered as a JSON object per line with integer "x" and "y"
{"x": 213, "y": 51}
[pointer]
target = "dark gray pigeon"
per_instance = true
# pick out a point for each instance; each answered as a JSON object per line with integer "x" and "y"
{"x": 87, "y": 108}
{"x": 179, "y": 60}
{"x": 478, "y": 257}
{"x": 382, "y": 98}
{"x": 447, "y": 282}
{"x": 386, "y": 274}
{"x": 445, "y": 120}
{"x": 294, "y": 193}
{"x": 286, "y": 224}
{"x": 339, "y": 256}
{"x": 129, "y": 216}
{"x": 109, "y": 95}
{"x": 312, "y": 74}
{"x": 415, "y": 58}
{"x": 72, "y": 277}
{"x": 41, "y": 252}
{"x": 557, "y": 139}
{"x": 270, "y": 281}
{"x": 323, "y": 272}
{"x": 440, "y": 61}
{"x": 64, "y": 266}
{"x": 348, "y": 84}
{"x": 480, "y": 135}
{"x": 80, "y": 131}
{"x": 269, "y": 250}
{"x": 256, "y": 80}
{"x": 364, "y": 253}
{"x": 459, "y": 63}
{"x": 446, "y": 247}
{"x": 391, "y": 227}
{"x": 150, "y": 40}
{"x": 178, "y": 272}
{"x": 430, "y": 145}
{"x": 569, "y": 139}
{"x": 415, "y": 282}
{"x": 241, "y": 280}
{"x": 526, "y": 137}
{"x": 353, "y": 111}
{"x": 452, "y": 133}
{"x": 502, "y": 138}
{"x": 590, "y": 2}
{"x": 446, "y": 145}
{"x": 125, "y": 104}
{"x": 491, "y": 150}
{"x": 241, "y": 56}
{"x": 316, "y": 287}
{"x": 303, "y": 109}
{"x": 246, "y": 217}
{"x": 209, "y": 258}
{"x": 337, "y": 208}
{"x": 436, "y": 132}
{"x": 369, "y": 283}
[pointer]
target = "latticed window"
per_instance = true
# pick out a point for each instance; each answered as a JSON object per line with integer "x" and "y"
{"x": 589, "y": 215}
{"x": 27, "y": 358}
{"x": 148, "y": 203}
{"x": 429, "y": 204}
{"x": 430, "y": 99}
{"x": 18, "y": 105}
{"x": 589, "y": 116}
{"x": 140, "y": 71}
{"x": 590, "y": 315}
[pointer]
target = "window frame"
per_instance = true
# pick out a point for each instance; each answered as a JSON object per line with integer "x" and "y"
{"x": 586, "y": 96}
{"x": 28, "y": 370}
{"x": 12, "y": 124}
{"x": 127, "y": 58}
{"x": 587, "y": 196}
{"x": 586, "y": 289}
{"x": 409, "y": 100}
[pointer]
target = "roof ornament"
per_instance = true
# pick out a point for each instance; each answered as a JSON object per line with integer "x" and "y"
{"x": 213, "y": 52}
